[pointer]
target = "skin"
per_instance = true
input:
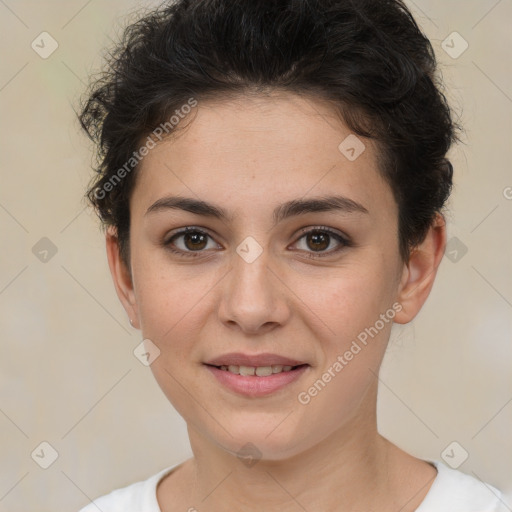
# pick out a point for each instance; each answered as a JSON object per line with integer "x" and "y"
{"x": 248, "y": 155}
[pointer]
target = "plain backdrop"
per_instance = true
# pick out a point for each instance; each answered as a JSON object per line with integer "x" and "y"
{"x": 68, "y": 375}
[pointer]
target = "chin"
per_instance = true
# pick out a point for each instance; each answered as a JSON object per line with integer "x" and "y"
{"x": 261, "y": 440}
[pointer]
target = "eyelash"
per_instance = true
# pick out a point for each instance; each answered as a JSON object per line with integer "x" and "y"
{"x": 320, "y": 229}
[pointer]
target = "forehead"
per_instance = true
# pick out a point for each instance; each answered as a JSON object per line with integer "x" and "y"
{"x": 245, "y": 152}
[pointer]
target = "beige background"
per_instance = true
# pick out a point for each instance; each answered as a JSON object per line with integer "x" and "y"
{"x": 67, "y": 372}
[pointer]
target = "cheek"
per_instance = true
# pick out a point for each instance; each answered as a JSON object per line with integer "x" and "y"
{"x": 347, "y": 299}
{"x": 353, "y": 339}
{"x": 167, "y": 293}
{"x": 351, "y": 334}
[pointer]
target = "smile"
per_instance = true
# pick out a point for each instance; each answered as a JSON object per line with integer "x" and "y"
{"x": 256, "y": 381}
{"x": 260, "y": 371}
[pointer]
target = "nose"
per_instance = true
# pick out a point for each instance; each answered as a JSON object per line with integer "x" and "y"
{"x": 254, "y": 297}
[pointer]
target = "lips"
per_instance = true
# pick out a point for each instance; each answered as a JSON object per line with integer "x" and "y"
{"x": 255, "y": 375}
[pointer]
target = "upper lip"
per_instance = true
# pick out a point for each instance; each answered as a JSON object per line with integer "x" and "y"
{"x": 240, "y": 359}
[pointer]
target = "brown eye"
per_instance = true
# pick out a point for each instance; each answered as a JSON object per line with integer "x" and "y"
{"x": 194, "y": 241}
{"x": 189, "y": 241}
{"x": 319, "y": 239}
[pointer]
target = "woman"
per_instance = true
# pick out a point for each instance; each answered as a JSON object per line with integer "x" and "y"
{"x": 272, "y": 178}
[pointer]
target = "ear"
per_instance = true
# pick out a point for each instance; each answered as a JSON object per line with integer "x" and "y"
{"x": 121, "y": 276}
{"x": 420, "y": 271}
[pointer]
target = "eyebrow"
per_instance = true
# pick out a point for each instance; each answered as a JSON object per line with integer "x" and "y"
{"x": 281, "y": 212}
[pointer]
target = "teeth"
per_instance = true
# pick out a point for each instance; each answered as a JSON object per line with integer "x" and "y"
{"x": 260, "y": 371}
{"x": 247, "y": 370}
{"x": 264, "y": 371}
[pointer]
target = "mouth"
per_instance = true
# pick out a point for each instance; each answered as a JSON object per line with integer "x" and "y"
{"x": 255, "y": 375}
{"x": 258, "y": 371}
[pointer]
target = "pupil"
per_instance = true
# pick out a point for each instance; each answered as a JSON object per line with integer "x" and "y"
{"x": 318, "y": 238}
{"x": 196, "y": 238}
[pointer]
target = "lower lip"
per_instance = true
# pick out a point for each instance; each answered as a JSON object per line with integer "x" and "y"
{"x": 254, "y": 386}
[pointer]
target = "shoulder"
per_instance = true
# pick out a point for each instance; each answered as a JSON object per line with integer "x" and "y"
{"x": 454, "y": 491}
{"x": 135, "y": 497}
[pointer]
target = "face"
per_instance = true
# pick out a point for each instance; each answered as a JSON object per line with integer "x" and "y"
{"x": 265, "y": 285}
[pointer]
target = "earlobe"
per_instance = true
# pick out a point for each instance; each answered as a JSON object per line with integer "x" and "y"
{"x": 419, "y": 274}
{"x": 121, "y": 276}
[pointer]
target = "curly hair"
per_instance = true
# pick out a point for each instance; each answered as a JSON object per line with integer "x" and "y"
{"x": 368, "y": 58}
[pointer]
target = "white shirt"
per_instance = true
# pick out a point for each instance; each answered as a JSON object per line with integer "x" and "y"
{"x": 451, "y": 491}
